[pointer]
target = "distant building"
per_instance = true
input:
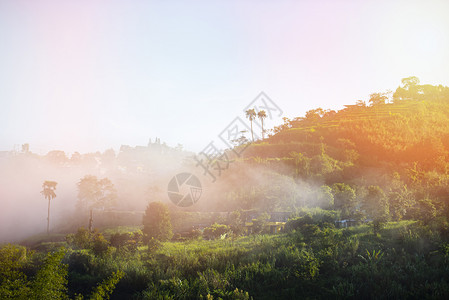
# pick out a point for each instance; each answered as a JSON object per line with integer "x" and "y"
{"x": 275, "y": 223}
{"x": 345, "y": 223}
{"x": 141, "y": 158}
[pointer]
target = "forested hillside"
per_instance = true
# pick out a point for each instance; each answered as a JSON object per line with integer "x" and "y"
{"x": 412, "y": 128}
{"x": 349, "y": 204}
{"x": 396, "y": 145}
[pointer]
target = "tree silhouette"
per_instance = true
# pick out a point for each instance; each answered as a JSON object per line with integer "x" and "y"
{"x": 251, "y": 115}
{"x": 95, "y": 193}
{"x": 48, "y": 190}
{"x": 344, "y": 198}
{"x": 410, "y": 89}
{"x": 262, "y": 115}
{"x": 410, "y": 82}
{"x": 377, "y": 206}
{"x": 378, "y": 98}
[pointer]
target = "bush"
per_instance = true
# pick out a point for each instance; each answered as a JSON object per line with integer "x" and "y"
{"x": 297, "y": 223}
{"x": 156, "y": 222}
{"x": 119, "y": 240}
{"x": 216, "y": 231}
{"x": 81, "y": 239}
{"x": 99, "y": 244}
{"x": 13, "y": 283}
{"x": 153, "y": 245}
{"x": 51, "y": 280}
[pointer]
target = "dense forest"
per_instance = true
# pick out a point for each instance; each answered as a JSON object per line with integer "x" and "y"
{"x": 349, "y": 204}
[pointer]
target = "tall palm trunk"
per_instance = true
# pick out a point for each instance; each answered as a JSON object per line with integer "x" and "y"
{"x": 91, "y": 221}
{"x": 48, "y": 217}
{"x": 48, "y": 191}
{"x": 263, "y": 137}
{"x": 252, "y": 136}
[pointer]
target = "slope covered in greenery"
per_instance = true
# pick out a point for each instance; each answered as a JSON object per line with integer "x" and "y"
{"x": 383, "y": 168}
{"x": 398, "y": 147}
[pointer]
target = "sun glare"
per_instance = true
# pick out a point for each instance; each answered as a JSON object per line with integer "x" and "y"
{"x": 415, "y": 39}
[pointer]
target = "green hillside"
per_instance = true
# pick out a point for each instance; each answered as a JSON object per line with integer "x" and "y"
{"x": 349, "y": 204}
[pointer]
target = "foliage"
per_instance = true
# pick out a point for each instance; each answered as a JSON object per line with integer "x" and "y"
{"x": 251, "y": 115}
{"x": 376, "y": 205}
{"x": 315, "y": 260}
{"x": 95, "y": 193}
{"x": 83, "y": 239}
{"x": 236, "y": 222}
{"x": 153, "y": 245}
{"x": 156, "y": 222}
{"x": 401, "y": 199}
{"x": 297, "y": 223}
{"x": 99, "y": 244}
{"x": 48, "y": 190}
{"x": 13, "y": 283}
{"x": 424, "y": 210}
{"x": 216, "y": 231}
{"x": 261, "y": 114}
{"x": 51, "y": 280}
{"x": 386, "y": 161}
{"x": 260, "y": 223}
{"x": 324, "y": 197}
{"x": 107, "y": 286}
{"x": 344, "y": 198}
{"x": 129, "y": 241}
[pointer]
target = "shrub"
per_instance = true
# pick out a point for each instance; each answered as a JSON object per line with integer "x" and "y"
{"x": 13, "y": 283}
{"x": 51, "y": 280}
{"x": 156, "y": 222}
{"x": 99, "y": 244}
{"x": 81, "y": 239}
{"x": 216, "y": 231}
{"x": 297, "y": 223}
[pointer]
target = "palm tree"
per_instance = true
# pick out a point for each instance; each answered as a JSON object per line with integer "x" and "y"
{"x": 262, "y": 115}
{"x": 251, "y": 115}
{"x": 48, "y": 190}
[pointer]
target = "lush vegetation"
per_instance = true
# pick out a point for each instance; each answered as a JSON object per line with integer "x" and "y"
{"x": 381, "y": 167}
{"x": 311, "y": 259}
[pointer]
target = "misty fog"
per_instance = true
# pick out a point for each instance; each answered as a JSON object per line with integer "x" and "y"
{"x": 140, "y": 175}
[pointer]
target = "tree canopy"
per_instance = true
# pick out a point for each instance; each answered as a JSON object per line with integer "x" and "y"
{"x": 156, "y": 222}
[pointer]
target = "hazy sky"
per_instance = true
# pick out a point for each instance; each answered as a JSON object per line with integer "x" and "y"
{"x": 90, "y": 75}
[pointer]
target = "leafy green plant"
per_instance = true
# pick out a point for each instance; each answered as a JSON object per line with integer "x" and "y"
{"x": 104, "y": 289}
{"x": 372, "y": 258}
{"x": 50, "y": 281}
